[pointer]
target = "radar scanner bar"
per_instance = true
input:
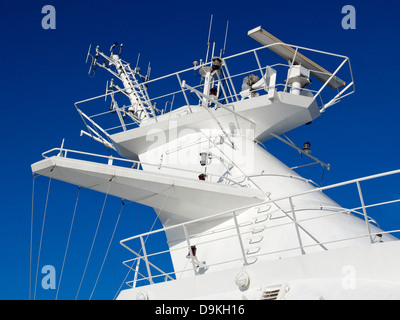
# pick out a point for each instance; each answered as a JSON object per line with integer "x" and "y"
{"x": 287, "y": 52}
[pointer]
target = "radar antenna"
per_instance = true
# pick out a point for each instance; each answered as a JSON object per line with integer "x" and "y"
{"x": 287, "y": 52}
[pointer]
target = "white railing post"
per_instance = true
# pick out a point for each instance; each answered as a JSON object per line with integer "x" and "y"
{"x": 231, "y": 82}
{"x": 190, "y": 249}
{"x": 296, "y": 226}
{"x": 364, "y": 210}
{"x": 330, "y": 78}
{"x": 259, "y": 64}
{"x": 110, "y": 160}
{"x": 240, "y": 238}
{"x": 60, "y": 154}
{"x": 146, "y": 260}
{"x": 184, "y": 93}
{"x": 136, "y": 273}
{"x": 290, "y": 68}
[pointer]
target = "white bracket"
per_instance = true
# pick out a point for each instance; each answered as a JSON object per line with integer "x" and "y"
{"x": 291, "y": 144}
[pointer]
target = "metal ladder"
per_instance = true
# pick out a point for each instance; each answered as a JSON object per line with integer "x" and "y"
{"x": 140, "y": 92}
{"x": 257, "y": 229}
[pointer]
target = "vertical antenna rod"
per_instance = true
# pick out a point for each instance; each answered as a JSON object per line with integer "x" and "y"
{"x": 222, "y": 52}
{"x": 208, "y": 41}
{"x": 137, "y": 61}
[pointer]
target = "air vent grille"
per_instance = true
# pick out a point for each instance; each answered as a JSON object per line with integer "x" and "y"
{"x": 270, "y": 294}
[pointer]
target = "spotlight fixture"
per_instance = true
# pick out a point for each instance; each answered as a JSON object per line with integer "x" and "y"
{"x": 306, "y": 147}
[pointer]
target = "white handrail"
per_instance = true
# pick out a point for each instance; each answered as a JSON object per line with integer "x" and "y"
{"x": 238, "y": 233}
{"x": 228, "y": 79}
{"x": 270, "y": 201}
{"x": 137, "y": 164}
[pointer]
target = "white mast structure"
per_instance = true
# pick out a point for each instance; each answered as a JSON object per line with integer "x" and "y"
{"x": 239, "y": 223}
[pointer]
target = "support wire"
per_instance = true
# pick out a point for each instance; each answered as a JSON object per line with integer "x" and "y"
{"x": 41, "y": 234}
{"x": 155, "y": 220}
{"x": 30, "y": 249}
{"x": 69, "y": 237}
{"x": 108, "y": 248}
{"x": 94, "y": 238}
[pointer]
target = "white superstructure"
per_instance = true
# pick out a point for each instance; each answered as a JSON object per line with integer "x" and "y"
{"x": 239, "y": 223}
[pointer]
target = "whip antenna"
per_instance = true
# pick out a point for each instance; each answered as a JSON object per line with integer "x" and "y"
{"x": 208, "y": 41}
{"x": 226, "y": 36}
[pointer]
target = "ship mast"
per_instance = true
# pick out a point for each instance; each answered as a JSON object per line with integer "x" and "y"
{"x": 232, "y": 214}
{"x": 141, "y": 107}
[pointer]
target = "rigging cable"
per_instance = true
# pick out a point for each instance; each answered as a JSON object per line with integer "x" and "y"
{"x": 145, "y": 240}
{"x": 41, "y": 234}
{"x": 108, "y": 248}
{"x": 94, "y": 238}
{"x": 69, "y": 237}
{"x": 30, "y": 249}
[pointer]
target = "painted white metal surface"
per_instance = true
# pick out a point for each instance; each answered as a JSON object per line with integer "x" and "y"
{"x": 259, "y": 114}
{"x": 360, "y": 272}
{"x": 259, "y": 229}
{"x": 182, "y": 199}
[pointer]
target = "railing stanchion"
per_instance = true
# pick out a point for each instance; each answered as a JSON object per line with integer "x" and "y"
{"x": 136, "y": 273}
{"x": 364, "y": 210}
{"x": 146, "y": 260}
{"x": 190, "y": 249}
{"x": 296, "y": 225}
{"x": 240, "y": 238}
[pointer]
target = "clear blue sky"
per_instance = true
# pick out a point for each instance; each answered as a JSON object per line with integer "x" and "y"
{"x": 43, "y": 73}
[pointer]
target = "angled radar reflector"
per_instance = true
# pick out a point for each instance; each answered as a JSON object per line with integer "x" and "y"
{"x": 287, "y": 52}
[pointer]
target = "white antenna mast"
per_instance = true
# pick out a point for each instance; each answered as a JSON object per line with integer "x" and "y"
{"x": 148, "y": 72}
{"x": 208, "y": 41}
{"x": 222, "y": 52}
{"x": 141, "y": 107}
{"x": 137, "y": 61}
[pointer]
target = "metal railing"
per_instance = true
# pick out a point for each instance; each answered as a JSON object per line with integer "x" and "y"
{"x": 168, "y": 91}
{"x": 138, "y": 165}
{"x": 238, "y": 230}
